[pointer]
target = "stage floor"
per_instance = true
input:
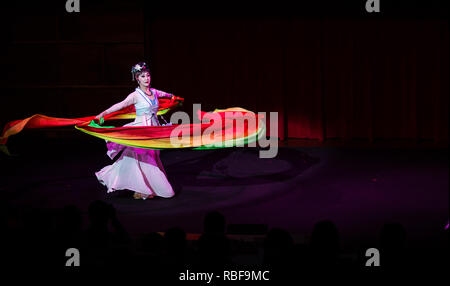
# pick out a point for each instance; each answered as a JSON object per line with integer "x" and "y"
{"x": 359, "y": 189}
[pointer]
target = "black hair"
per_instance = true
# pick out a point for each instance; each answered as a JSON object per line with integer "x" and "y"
{"x": 139, "y": 68}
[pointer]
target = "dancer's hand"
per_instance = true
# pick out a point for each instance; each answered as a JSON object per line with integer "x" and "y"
{"x": 99, "y": 116}
{"x": 173, "y": 98}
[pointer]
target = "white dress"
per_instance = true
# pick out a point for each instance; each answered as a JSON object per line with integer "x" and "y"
{"x": 137, "y": 169}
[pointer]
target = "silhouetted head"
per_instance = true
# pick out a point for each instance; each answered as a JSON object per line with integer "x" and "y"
{"x": 175, "y": 238}
{"x": 214, "y": 222}
{"x": 325, "y": 237}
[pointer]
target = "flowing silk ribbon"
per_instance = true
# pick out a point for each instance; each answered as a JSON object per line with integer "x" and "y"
{"x": 220, "y": 123}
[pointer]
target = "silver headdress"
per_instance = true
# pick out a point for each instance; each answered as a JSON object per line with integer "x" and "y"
{"x": 138, "y": 68}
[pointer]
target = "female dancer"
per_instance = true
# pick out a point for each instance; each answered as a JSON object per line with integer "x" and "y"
{"x": 139, "y": 170}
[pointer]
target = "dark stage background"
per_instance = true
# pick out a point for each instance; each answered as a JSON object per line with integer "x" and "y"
{"x": 340, "y": 78}
{"x": 330, "y": 70}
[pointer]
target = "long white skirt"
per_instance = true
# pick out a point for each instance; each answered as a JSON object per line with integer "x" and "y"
{"x": 136, "y": 169}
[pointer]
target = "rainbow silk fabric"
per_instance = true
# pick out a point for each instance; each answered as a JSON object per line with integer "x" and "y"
{"x": 217, "y": 129}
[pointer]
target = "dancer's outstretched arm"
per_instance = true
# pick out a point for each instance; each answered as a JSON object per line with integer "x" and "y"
{"x": 163, "y": 94}
{"x": 131, "y": 99}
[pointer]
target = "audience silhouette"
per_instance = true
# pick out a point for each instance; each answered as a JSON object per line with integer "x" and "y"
{"x": 42, "y": 236}
{"x": 324, "y": 245}
{"x": 213, "y": 247}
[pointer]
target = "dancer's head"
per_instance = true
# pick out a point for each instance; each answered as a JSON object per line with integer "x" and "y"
{"x": 141, "y": 74}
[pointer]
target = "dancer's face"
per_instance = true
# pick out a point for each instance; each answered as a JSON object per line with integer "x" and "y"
{"x": 144, "y": 79}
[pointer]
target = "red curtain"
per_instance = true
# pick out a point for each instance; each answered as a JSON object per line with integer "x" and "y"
{"x": 370, "y": 79}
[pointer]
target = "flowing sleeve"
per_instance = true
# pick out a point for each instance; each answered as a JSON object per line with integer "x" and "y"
{"x": 162, "y": 94}
{"x": 131, "y": 99}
